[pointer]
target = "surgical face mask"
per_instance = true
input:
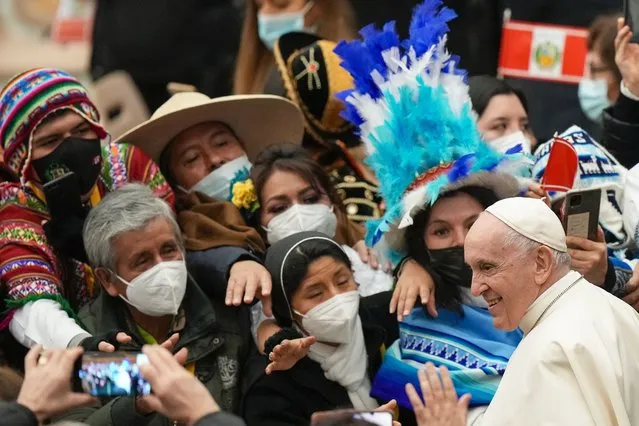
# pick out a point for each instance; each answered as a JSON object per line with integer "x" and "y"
{"x": 509, "y": 142}
{"x": 333, "y": 321}
{"x": 450, "y": 266}
{"x": 593, "y": 97}
{"x": 81, "y": 156}
{"x": 272, "y": 27}
{"x": 299, "y": 218}
{"x": 217, "y": 184}
{"x": 158, "y": 291}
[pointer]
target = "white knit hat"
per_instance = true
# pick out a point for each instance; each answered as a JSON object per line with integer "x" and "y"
{"x": 533, "y": 219}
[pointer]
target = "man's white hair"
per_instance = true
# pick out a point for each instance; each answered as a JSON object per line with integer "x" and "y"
{"x": 129, "y": 208}
{"x": 524, "y": 245}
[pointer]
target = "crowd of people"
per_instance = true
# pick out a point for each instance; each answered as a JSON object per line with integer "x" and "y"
{"x": 360, "y": 226}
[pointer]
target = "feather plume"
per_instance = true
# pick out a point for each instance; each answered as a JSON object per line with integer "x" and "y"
{"x": 410, "y": 102}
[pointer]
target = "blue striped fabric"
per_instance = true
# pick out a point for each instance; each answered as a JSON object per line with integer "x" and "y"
{"x": 475, "y": 352}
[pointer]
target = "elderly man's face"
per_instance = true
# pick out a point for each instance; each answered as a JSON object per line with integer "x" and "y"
{"x": 139, "y": 251}
{"x": 504, "y": 278}
{"x": 200, "y": 149}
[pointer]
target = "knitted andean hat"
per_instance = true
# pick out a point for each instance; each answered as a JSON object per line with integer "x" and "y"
{"x": 412, "y": 108}
{"x": 29, "y": 98}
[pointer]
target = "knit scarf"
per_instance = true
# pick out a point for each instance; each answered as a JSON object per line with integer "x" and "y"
{"x": 343, "y": 364}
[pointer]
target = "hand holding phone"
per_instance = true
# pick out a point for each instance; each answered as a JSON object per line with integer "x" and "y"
{"x": 581, "y": 213}
{"x": 46, "y": 389}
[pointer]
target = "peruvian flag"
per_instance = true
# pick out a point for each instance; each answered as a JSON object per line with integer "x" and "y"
{"x": 543, "y": 52}
{"x": 73, "y": 21}
{"x": 561, "y": 170}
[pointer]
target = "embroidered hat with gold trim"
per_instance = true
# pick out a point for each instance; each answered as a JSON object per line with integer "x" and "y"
{"x": 311, "y": 74}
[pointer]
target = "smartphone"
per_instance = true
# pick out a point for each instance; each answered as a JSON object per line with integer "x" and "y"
{"x": 581, "y": 213}
{"x": 104, "y": 374}
{"x": 379, "y": 418}
{"x": 63, "y": 196}
{"x": 631, "y": 16}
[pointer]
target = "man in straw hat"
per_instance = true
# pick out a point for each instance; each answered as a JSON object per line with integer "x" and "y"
{"x": 577, "y": 361}
{"x": 49, "y": 128}
{"x": 203, "y": 144}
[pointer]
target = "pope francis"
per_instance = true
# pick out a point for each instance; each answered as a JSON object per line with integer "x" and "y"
{"x": 578, "y": 363}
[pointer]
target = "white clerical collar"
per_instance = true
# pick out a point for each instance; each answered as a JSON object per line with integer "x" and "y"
{"x": 546, "y": 299}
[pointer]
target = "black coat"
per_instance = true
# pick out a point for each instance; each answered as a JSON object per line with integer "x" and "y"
{"x": 291, "y": 397}
{"x": 621, "y": 131}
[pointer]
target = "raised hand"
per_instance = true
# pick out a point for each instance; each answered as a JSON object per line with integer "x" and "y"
{"x": 288, "y": 353}
{"x": 627, "y": 57}
{"x": 440, "y": 406}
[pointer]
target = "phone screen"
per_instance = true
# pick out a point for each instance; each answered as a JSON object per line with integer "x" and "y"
{"x": 632, "y": 18}
{"x": 112, "y": 374}
{"x": 381, "y": 418}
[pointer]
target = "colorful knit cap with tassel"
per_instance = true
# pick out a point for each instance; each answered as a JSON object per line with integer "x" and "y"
{"x": 30, "y": 97}
{"x": 411, "y": 105}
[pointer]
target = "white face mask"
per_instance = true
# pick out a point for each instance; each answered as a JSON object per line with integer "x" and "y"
{"x": 300, "y": 218}
{"x": 273, "y": 26}
{"x": 158, "y": 291}
{"x": 505, "y": 143}
{"x": 333, "y": 321}
{"x": 217, "y": 184}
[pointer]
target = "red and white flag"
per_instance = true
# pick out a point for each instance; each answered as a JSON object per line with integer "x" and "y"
{"x": 561, "y": 170}
{"x": 73, "y": 21}
{"x": 543, "y": 52}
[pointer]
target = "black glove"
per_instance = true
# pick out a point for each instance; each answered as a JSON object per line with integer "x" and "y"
{"x": 90, "y": 344}
{"x": 284, "y": 334}
{"x": 65, "y": 236}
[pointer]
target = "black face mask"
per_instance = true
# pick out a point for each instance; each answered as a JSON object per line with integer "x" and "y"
{"x": 83, "y": 157}
{"x": 450, "y": 266}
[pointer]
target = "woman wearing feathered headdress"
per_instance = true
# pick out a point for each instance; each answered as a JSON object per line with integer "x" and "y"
{"x": 436, "y": 175}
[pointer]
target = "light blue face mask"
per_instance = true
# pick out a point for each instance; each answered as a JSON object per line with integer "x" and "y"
{"x": 593, "y": 97}
{"x": 272, "y": 27}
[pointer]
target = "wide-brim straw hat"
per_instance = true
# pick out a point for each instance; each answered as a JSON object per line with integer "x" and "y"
{"x": 258, "y": 121}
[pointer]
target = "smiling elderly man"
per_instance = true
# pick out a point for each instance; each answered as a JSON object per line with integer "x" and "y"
{"x": 135, "y": 246}
{"x": 577, "y": 363}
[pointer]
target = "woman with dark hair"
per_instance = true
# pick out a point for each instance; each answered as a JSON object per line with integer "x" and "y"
{"x": 462, "y": 337}
{"x": 295, "y": 195}
{"x": 314, "y": 291}
{"x": 502, "y": 113}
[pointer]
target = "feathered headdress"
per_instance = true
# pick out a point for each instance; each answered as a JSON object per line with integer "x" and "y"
{"x": 411, "y": 104}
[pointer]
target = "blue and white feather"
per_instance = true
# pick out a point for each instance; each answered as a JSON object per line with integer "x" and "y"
{"x": 410, "y": 102}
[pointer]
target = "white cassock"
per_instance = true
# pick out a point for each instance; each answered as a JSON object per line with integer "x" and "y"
{"x": 578, "y": 363}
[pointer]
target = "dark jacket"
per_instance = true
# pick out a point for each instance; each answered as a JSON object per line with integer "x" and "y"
{"x": 217, "y": 338}
{"x": 14, "y": 414}
{"x": 291, "y": 397}
{"x": 621, "y": 131}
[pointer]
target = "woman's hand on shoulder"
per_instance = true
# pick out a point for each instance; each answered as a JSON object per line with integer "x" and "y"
{"x": 413, "y": 281}
{"x": 288, "y": 353}
{"x": 247, "y": 280}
